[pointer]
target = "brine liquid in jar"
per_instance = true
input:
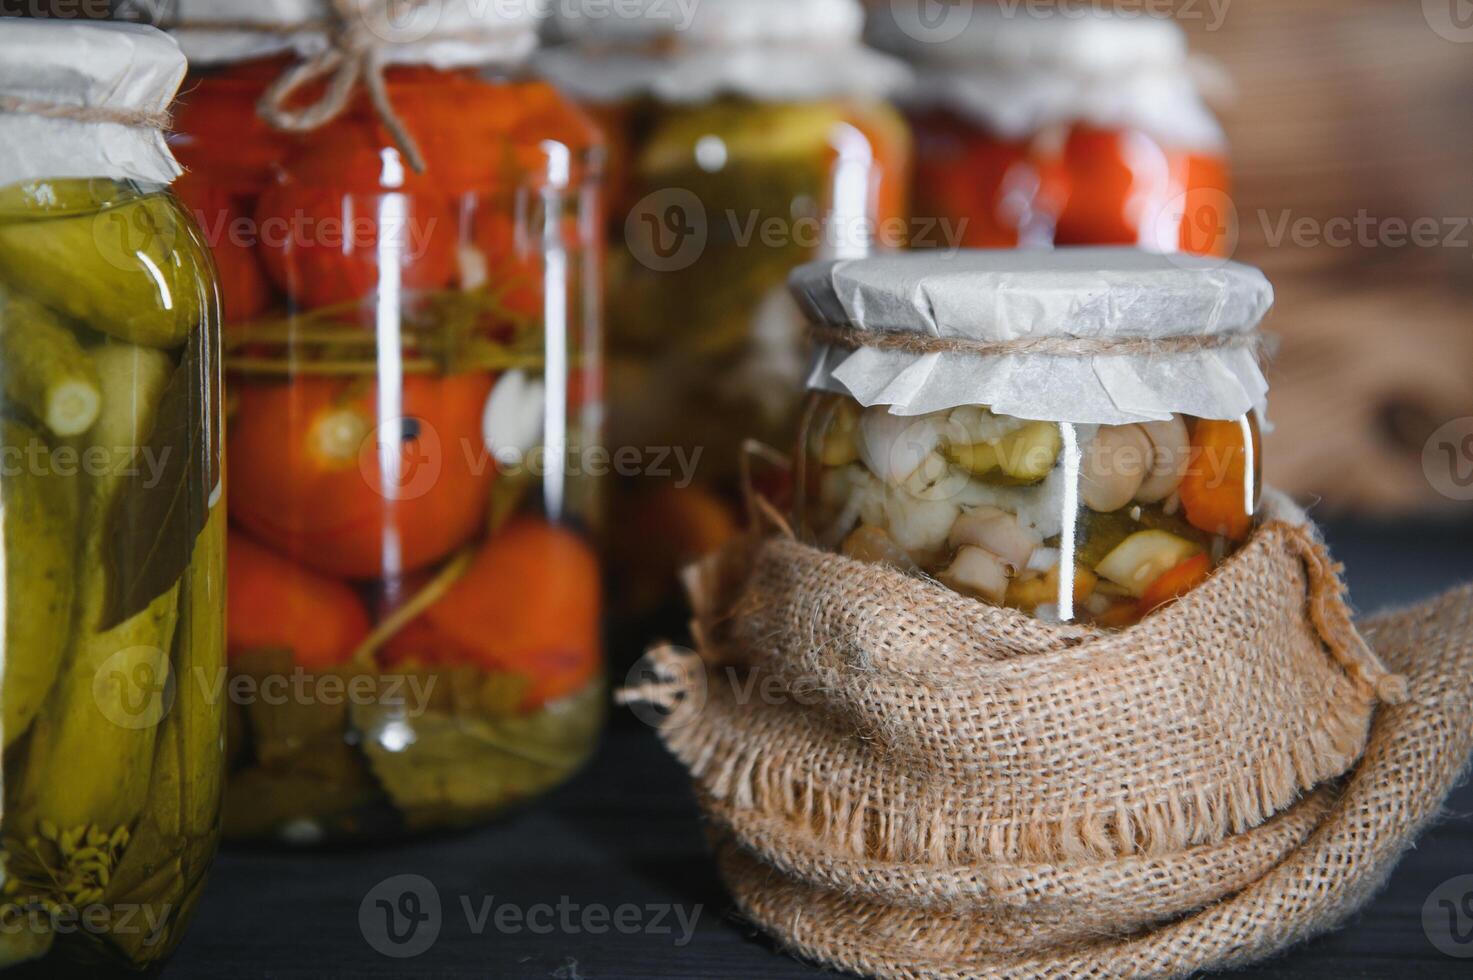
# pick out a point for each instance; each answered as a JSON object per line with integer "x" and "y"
{"x": 1097, "y": 524}
{"x": 113, "y": 538}
{"x": 413, "y": 365}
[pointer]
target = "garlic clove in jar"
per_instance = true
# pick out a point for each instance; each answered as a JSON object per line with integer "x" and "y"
{"x": 1144, "y": 557}
{"x": 997, "y": 531}
{"x": 513, "y": 420}
{"x": 1114, "y": 467}
{"x": 1171, "y": 452}
{"x": 895, "y": 446}
{"x": 977, "y": 572}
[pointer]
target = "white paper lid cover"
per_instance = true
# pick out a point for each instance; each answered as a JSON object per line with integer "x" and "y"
{"x": 694, "y": 50}
{"x": 441, "y": 33}
{"x": 999, "y": 296}
{"x": 116, "y": 68}
{"x": 1070, "y": 39}
{"x": 1020, "y": 70}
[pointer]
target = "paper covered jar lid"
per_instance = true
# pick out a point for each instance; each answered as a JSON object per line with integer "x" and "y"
{"x": 443, "y": 34}
{"x": 686, "y": 51}
{"x": 1104, "y": 336}
{"x": 85, "y": 101}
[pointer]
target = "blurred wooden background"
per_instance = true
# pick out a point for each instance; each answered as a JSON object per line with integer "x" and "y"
{"x": 1344, "y": 109}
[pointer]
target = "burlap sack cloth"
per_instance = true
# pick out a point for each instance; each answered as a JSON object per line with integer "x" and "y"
{"x": 906, "y": 783}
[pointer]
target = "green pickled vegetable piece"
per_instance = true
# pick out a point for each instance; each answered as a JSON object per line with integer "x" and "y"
{"x": 750, "y": 132}
{"x": 44, "y": 369}
{"x": 171, "y": 847}
{"x": 40, "y": 540}
{"x": 133, "y": 271}
{"x": 91, "y": 749}
{"x": 463, "y": 763}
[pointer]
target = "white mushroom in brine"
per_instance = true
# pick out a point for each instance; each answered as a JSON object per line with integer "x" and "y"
{"x": 1171, "y": 452}
{"x": 1114, "y": 467}
{"x": 994, "y": 529}
{"x": 873, "y": 544}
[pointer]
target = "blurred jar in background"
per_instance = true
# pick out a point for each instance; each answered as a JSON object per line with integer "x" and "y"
{"x": 1060, "y": 126}
{"x": 413, "y": 371}
{"x": 747, "y": 137}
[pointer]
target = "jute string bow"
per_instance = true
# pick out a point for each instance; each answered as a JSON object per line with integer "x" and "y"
{"x": 354, "y": 54}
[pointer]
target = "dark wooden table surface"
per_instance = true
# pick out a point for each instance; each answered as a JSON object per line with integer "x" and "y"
{"x": 609, "y": 878}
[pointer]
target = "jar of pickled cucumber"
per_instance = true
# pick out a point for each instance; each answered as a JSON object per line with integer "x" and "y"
{"x": 110, "y": 515}
{"x": 413, "y": 370}
{"x": 747, "y": 137}
{"x": 1072, "y": 434}
{"x": 1038, "y": 126}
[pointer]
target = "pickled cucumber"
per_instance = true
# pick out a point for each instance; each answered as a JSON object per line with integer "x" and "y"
{"x": 39, "y": 536}
{"x": 171, "y": 846}
{"x": 44, "y": 369}
{"x": 91, "y": 749}
{"x": 132, "y": 271}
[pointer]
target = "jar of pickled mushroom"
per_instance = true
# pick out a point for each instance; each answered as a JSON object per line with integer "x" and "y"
{"x": 110, "y": 516}
{"x": 405, "y": 233}
{"x": 1057, "y": 125}
{"x": 747, "y": 137}
{"x": 1071, "y": 434}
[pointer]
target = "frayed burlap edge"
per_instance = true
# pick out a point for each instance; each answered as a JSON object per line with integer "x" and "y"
{"x": 1414, "y": 757}
{"x": 1151, "y": 886}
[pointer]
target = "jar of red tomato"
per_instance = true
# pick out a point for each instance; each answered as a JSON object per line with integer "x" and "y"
{"x": 404, "y": 232}
{"x": 1061, "y": 126}
{"x": 747, "y": 136}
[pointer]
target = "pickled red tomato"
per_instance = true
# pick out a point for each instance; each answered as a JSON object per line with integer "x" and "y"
{"x": 276, "y": 604}
{"x": 1123, "y": 185}
{"x": 345, "y": 215}
{"x": 309, "y": 477}
{"x": 529, "y": 604}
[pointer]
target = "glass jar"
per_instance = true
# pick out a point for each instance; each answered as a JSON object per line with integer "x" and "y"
{"x": 732, "y": 162}
{"x": 112, "y": 531}
{"x": 1066, "y": 519}
{"x": 413, "y": 363}
{"x": 1062, "y": 127}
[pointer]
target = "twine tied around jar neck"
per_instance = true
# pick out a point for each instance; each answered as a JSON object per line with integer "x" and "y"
{"x": 912, "y": 343}
{"x": 132, "y": 118}
{"x": 355, "y": 53}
